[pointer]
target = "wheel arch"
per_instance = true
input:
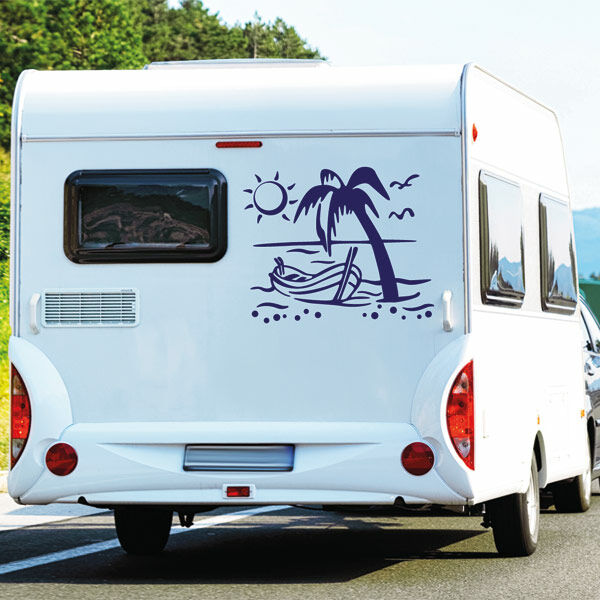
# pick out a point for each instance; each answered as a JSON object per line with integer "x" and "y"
{"x": 591, "y": 430}
{"x": 539, "y": 449}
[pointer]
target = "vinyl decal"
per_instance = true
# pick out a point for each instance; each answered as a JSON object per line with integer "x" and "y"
{"x": 311, "y": 277}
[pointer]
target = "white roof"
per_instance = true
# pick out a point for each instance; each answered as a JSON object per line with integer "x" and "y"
{"x": 238, "y": 99}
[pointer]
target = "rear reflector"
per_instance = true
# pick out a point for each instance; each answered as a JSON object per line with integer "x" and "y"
{"x": 61, "y": 459}
{"x": 237, "y": 491}
{"x": 417, "y": 458}
{"x": 20, "y": 416}
{"x": 240, "y": 144}
{"x": 460, "y": 415}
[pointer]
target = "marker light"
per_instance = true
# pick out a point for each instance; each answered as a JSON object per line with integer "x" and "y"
{"x": 238, "y": 491}
{"x": 475, "y": 132}
{"x": 417, "y": 458}
{"x": 61, "y": 459}
{"x": 460, "y": 415}
{"x": 20, "y": 416}
{"x": 240, "y": 144}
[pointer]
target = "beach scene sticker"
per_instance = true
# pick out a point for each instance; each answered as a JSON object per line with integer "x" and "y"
{"x": 314, "y": 275}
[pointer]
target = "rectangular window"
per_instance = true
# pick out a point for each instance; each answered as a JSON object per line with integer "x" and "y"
{"x": 145, "y": 216}
{"x": 501, "y": 241}
{"x": 558, "y": 276}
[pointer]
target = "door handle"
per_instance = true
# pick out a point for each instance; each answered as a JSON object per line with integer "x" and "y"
{"x": 448, "y": 322}
{"x": 33, "y": 304}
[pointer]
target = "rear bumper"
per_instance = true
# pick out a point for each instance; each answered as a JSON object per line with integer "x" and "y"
{"x": 142, "y": 463}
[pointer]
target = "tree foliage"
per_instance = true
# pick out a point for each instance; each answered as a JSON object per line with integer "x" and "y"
{"x": 125, "y": 34}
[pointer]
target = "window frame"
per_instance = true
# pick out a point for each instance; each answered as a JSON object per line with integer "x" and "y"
{"x": 509, "y": 299}
{"x": 559, "y": 306}
{"x": 147, "y": 253}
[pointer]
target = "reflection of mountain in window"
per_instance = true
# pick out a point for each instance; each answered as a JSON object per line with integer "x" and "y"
{"x": 127, "y": 215}
{"x": 502, "y": 276}
{"x": 559, "y": 283}
{"x": 145, "y": 216}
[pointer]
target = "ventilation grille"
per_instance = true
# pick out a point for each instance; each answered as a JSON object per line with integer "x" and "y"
{"x": 90, "y": 308}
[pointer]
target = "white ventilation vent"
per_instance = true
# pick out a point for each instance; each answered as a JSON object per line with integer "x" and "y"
{"x": 90, "y": 308}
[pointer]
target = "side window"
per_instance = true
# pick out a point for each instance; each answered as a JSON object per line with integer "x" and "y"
{"x": 558, "y": 273}
{"x": 145, "y": 216}
{"x": 501, "y": 241}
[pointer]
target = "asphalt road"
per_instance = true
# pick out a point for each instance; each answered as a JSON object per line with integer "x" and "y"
{"x": 307, "y": 554}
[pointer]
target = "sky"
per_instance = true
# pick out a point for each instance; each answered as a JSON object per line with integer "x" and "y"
{"x": 550, "y": 49}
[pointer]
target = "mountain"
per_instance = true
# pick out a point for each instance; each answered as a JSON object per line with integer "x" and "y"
{"x": 563, "y": 283}
{"x": 510, "y": 276}
{"x": 587, "y": 240}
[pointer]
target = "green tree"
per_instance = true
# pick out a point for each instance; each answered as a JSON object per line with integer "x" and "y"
{"x": 63, "y": 34}
{"x": 125, "y": 34}
{"x": 153, "y": 18}
{"x": 275, "y": 40}
{"x": 196, "y": 34}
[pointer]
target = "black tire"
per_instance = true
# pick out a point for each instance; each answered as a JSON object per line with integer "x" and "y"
{"x": 515, "y": 519}
{"x": 574, "y": 496}
{"x": 141, "y": 531}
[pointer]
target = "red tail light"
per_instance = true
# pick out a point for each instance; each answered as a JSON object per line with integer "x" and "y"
{"x": 20, "y": 416}
{"x": 460, "y": 415}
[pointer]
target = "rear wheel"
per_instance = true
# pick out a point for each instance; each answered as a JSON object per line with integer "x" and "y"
{"x": 515, "y": 519}
{"x": 143, "y": 531}
{"x": 576, "y": 495}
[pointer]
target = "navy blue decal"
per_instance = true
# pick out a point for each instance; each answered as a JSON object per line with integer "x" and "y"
{"x": 406, "y": 211}
{"x": 333, "y": 280}
{"x": 406, "y": 183}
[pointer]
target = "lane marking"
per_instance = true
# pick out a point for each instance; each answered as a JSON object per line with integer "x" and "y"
{"x": 15, "y": 516}
{"x": 45, "y": 559}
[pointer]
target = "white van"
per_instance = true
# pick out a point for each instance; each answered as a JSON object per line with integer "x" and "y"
{"x": 281, "y": 283}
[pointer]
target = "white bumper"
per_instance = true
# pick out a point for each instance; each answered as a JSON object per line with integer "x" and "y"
{"x": 142, "y": 463}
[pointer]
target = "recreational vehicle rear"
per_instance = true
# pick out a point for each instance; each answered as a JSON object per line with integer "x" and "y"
{"x": 279, "y": 283}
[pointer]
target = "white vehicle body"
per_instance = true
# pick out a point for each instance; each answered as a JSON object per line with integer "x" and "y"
{"x": 348, "y": 389}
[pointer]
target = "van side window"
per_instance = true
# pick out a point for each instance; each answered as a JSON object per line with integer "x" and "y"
{"x": 145, "y": 216}
{"x": 501, "y": 241}
{"x": 558, "y": 274}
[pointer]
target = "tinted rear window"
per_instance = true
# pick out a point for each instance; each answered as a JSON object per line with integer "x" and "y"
{"x": 150, "y": 216}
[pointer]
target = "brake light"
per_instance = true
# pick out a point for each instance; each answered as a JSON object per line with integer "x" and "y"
{"x": 460, "y": 415}
{"x": 20, "y": 416}
{"x": 240, "y": 144}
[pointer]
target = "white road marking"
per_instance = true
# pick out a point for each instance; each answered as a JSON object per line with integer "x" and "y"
{"x": 16, "y": 516}
{"x": 45, "y": 559}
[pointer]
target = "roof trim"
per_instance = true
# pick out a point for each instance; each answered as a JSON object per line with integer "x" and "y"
{"x": 238, "y": 135}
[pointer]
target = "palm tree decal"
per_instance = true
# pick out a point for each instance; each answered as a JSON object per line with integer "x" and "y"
{"x": 351, "y": 199}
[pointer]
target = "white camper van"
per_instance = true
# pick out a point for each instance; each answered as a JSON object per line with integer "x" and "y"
{"x": 280, "y": 283}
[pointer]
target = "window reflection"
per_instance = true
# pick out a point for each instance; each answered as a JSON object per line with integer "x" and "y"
{"x": 145, "y": 216}
{"x": 559, "y": 283}
{"x": 137, "y": 214}
{"x": 501, "y": 233}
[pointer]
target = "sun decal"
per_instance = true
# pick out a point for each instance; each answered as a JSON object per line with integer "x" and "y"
{"x": 270, "y": 198}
